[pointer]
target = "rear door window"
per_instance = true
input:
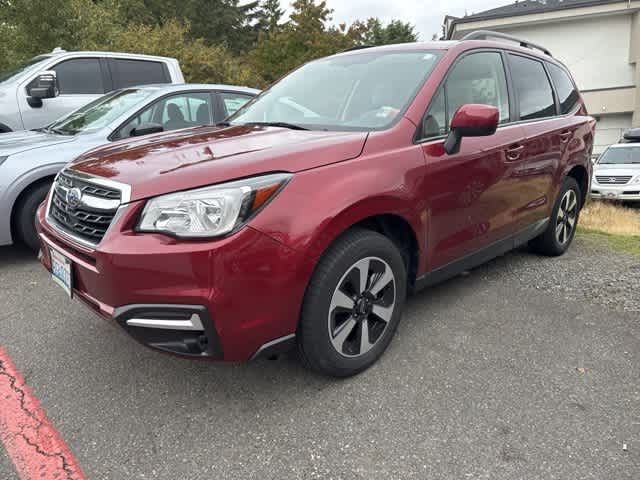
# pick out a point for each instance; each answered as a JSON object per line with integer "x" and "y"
{"x": 232, "y": 102}
{"x": 128, "y": 73}
{"x": 533, "y": 90}
{"x": 80, "y": 76}
{"x": 565, "y": 89}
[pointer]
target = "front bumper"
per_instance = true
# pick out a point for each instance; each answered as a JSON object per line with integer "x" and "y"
{"x": 246, "y": 289}
{"x": 627, "y": 193}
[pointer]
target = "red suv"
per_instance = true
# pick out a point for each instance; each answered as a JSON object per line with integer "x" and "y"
{"x": 307, "y": 218}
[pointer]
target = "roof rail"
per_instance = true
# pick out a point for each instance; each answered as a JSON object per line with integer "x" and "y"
{"x": 486, "y": 34}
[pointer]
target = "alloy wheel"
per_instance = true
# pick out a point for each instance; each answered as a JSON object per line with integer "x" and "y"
{"x": 567, "y": 217}
{"x": 362, "y": 307}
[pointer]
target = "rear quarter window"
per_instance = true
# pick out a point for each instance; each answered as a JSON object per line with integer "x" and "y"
{"x": 565, "y": 89}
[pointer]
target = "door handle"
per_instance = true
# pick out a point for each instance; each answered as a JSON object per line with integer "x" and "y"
{"x": 514, "y": 153}
{"x": 565, "y": 136}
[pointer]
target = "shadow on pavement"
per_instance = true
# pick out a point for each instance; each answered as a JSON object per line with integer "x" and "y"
{"x": 16, "y": 255}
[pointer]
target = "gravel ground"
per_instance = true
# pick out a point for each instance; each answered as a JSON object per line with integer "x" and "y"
{"x": 590, "y": 272}
{"x": 526, "y": 368}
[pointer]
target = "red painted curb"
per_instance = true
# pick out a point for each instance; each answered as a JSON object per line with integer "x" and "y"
{"x": 31, "y": 441}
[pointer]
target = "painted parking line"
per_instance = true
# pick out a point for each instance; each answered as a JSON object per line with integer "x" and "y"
{"x": 31, "y": 441}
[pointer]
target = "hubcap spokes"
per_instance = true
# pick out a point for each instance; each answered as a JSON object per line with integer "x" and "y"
{"x": 567, "y": 215}
{"x": 362, "y": 306}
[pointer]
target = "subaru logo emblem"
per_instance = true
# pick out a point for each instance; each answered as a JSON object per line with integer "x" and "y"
{"x": 74, "y": 195}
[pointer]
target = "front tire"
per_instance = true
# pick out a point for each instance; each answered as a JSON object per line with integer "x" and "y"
{"x": 563, "y": 224}
{"x": 353, "y": 304}
{"x": 25, "y": 219}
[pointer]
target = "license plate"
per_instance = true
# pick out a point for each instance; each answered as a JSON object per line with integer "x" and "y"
{"x": 61, "y": 271}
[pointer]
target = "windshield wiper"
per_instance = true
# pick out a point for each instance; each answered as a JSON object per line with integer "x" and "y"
{"x": 291, "y": 126}
{"x": 61, "y": 132}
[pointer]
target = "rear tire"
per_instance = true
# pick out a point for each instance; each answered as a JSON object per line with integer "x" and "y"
{"x": 563, "y": 224}
{"x": 353, "y": 304}
{"x": 25, "y": 218}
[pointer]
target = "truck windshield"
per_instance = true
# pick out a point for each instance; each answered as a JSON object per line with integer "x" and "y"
{"x": 622, "y": 155}
{"x": 362, "y": 91}
{"x": 16, "y": 70}
{"x": 100, "y": 112}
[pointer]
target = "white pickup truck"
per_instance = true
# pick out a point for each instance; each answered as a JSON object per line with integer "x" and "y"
{"x": 45, "y": 88}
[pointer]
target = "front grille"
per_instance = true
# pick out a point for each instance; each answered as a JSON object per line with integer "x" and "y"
{"x": 69, "y": 181}
{"x": 613, "y": 179}
{"x": 89, "y": 223}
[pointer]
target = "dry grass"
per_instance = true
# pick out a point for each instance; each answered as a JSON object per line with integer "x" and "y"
{"x": 612, "y": 224}
{"x": 610, "y": 218}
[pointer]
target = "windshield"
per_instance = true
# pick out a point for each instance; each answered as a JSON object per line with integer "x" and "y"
{"x": 100, "y": 112}
{"x": 16, "y": 70}
{"x": 365, "y": 91}
{"x": 620, "y": 156}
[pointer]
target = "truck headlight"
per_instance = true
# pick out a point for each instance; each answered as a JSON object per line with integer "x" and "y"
{"x": 210, "y": 211}
{"x": 636, "y": 180}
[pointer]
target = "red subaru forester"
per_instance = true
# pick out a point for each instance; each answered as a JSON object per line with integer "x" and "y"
{"x": 307, "y": 218}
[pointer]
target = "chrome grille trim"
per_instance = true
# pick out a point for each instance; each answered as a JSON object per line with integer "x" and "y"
{"x": 102, "y": 203}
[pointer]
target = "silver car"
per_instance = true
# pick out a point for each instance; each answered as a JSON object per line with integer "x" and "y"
{"x": 43, "y": 89}
{"x": 29, "y": 160}
{"x": 616, "y": 174}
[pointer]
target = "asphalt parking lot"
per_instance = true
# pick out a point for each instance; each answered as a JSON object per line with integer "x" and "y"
{"x": 526, "y": 368}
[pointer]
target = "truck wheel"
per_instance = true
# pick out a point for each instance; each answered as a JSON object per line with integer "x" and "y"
{"x": 353, "y": 304}
{"x": 25, "y": 219}
{"x": 563, "y": 223}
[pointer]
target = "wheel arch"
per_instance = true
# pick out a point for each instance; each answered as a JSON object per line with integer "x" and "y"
{"x": 401, "y": 233}
{"x": 581, "y": 175}
{"x": 22, "y": 195}
{"x": 5, "y": 128}
{"x": 403, "y": 226}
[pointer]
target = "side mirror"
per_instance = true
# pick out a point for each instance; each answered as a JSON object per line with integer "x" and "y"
{"x": 44, "y": 86}
{"x": 146, "y": 129}
{"x": 471, "y": 120}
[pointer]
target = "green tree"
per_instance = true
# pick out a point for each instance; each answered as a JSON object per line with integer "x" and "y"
{"x": 37, "y": 26}
{"x": 200, "y": 62}
{"x": 373, "y": 32}
{"x": 306, "y": 36}
{"x": 219, "y": 22}
{"x": 269, "y": 16}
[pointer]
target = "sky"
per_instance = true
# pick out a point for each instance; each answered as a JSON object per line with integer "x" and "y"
{"x": 426, "y": 15}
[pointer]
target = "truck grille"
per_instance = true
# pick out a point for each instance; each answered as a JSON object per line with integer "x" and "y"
{"x": 87, "y": 213}
{"x": 613, "y": 179}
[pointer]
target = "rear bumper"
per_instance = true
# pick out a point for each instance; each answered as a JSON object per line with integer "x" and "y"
{"x": 245, "y": 290}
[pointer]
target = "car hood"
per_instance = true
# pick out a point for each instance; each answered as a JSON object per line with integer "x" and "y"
{"x": 202, "y": 156}
{"x": 620, "y": 169}
{"x": 18, "y": 142}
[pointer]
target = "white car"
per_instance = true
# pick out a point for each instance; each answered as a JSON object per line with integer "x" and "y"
{"x": 616, "y": 174}
{"x": 43, "y": 89}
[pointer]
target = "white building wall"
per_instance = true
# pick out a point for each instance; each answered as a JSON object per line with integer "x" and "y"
{"x": 610, "y": 129}
{"x": 596, "y": 50}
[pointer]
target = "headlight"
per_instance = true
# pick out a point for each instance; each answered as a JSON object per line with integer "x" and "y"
{"x": 210, "y": 211}
{"x": 636, "y": 180}
{"x": 2, "y": 159}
